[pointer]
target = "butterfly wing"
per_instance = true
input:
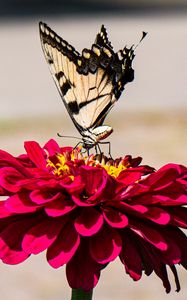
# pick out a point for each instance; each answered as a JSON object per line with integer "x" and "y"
{"x": 102, "y": 38}
{"x": 89, "y": 84}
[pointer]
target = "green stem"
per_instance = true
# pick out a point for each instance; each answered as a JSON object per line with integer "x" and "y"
{"x": 79, "y": 294}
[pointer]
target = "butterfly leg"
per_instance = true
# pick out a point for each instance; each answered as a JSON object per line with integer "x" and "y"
{"x": 96, "y": 149}
{"x": 87, "y": 150}
{"x": 109, "y": 148}
{"x": 77, "y": 145}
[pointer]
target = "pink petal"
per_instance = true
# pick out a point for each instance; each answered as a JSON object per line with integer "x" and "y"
{"x": 164, "y": 176}
{"x": 48, "y": 183}
{"x": 11, "y": 256}
{"x": 73, "y": 187}
{"x": 36, "y": 154}
{"x": 157, "y": 215}
{"x": 115, "y": 218}
{"x": 97, "y": 184}
{"x": 65, "y": 246}
{"x": 41, "y": 197}
{"x": 129, "y": 176}
{"x": 95, "y": 180}
{"x": 130, "y": 208}
{"x": 106, "y": 245}
{"x": 152, "y": 261}
{"x": 173, "y": 254}
{"x": 4, "y": 212}
{"x": 150, "y": 235}
{"x": 179, "y": 216}
{"x": 28, "y": 184}
{"x": 81, "y": 201}
{"x": 181, "y": 240}
{"x": 9, "y": 177}
{"x": 2, "y": 192}
{"x": 82, "y": 271}
{"x": 11, "y": 238}
{"x": 7, "y": 160}
{"x": 163, "y": 200}
{"x": 20, "y": 203}
{"x": 52, "y": 147}
{"x": 131, "y": 258}
{"x": 42, "y": 235}
{"x": 89, "y": 221}
{"x": 59, "y": 207}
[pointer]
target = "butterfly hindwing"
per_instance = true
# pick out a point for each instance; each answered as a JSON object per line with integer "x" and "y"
{"x": 102, "y": 38}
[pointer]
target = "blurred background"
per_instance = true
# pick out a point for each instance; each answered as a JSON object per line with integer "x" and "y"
{"x": 149, "y": 119}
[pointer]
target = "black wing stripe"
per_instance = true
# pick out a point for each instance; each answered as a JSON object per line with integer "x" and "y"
{"x": 83, "y": 104}
{"x": 75, "y": 107}
{"x": 91, "y": 106}
{"x": 51, "y": 38}
{"x": 100, "y": 119}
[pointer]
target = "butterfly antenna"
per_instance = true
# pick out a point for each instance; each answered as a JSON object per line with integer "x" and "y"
{"x": 69, "y": 136}
{"x": 143, "y": 36}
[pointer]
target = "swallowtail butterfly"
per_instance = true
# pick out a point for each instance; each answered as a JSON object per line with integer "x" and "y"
{"x": 89, "y": 83}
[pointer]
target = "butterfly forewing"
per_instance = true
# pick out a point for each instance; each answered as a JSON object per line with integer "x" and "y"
{"x": 89, "y": 84}
{"x": 85, "y": 96}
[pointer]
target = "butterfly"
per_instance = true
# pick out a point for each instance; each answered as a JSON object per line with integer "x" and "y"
{"x": 89, "y": 83}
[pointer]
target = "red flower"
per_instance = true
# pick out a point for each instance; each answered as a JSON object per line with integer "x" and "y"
{"x": 86, "y": 211}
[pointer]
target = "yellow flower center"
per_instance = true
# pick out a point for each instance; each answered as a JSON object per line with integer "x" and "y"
{"x": 114, "y": 171}
{"x": 59, "y": 163}
{"x": 59, "y": 166}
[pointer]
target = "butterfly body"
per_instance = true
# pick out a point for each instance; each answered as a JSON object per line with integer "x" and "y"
{"x": 89, "y": 83}
{"x": 93, "y": 136}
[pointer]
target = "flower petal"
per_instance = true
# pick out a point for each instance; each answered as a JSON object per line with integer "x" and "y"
{"x": 9, "y": 177}
{"x": 82, "y": 271}
{"x": 42, "y": 197}
{"x": 73, "y": 187}
{"x": 130, "y": 257}
{"x": 89, "y": 221}
{"x": 106, "y": 245}
{"x": 130, "y": 176}
{"x": 65, "y": 246}
{"x": 7, "y": 160}
{"x": 97, "y": 184}
{"x": 20, "y": 203}
{"x": 36, "y": 154}
{"x": 42, "y": 235}
{"x": 157, "y": 215}
{"x": 4, "y": 212}
{"x": 163, "y": 177}
{"x": 11, "y": 237}
{"x": 59, "y": 207}
{"x": 179, "y": 216}
{"x": 52, "y": 147}
{"x": 173, "y": 254}
{"x": 149, "y": 234}
{"x": 95, "y": 180}
{"x": 115, "y": 218}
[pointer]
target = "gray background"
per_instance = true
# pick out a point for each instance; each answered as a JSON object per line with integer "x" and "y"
{"x": 149, "y": 119}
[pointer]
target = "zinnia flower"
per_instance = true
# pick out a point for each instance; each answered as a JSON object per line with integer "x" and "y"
{"x": 88, "y": 210}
